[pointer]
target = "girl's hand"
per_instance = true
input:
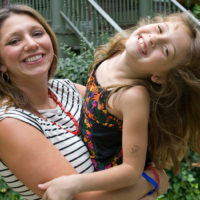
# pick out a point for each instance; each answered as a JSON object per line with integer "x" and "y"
{"x": 61, "y": 188}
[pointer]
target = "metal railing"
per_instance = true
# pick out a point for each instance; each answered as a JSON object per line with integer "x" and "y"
{"x": 93, "y": 20}
{"x": 88, "y": 20}
{"x": 125, "y": 13}
{"x": 170, "y": 6}
{"x": 43, "y": 6}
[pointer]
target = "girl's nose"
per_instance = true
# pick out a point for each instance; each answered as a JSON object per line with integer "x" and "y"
{"x": 30, "y": 44}
{"x": 156, "y": 39}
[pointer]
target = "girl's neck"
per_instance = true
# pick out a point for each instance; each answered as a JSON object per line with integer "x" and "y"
{"x": 115, "y": 70}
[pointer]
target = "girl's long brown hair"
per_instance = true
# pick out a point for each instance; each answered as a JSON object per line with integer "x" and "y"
{"x": 174, "y": 121}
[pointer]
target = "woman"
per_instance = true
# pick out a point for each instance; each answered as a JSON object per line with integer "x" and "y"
{"x": 42, "y": 142}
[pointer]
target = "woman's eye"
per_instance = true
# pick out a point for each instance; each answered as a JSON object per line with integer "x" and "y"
{"x": 38, "y": 33}
{"x": 13, "y": 42}
{"x": 160, "y": 29}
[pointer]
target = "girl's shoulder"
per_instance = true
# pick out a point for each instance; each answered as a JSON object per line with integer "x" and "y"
{"x": 129, "y": 99}
{"x": 133, "y": 94}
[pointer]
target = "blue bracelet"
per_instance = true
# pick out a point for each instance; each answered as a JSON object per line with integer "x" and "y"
{"x": 148, "y": 178}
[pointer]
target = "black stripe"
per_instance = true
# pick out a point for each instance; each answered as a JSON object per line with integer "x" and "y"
{"x": 14, "y": 181}
{"x": 7, "y": 176}
{"x": 74, "y": 150}
{"x": 78, "y": 157}
{"x": 69, "y": 145}
{"x": 82, "y": 163}
{"x": 86, "y": 169}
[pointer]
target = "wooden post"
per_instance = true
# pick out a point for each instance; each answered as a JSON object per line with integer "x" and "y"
{"x": 145, "y": 8}
{"x": 58, "y": 25}
{"x": 5, "y": 2}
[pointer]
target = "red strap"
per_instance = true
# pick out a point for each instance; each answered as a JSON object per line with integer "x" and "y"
{"x": 155, "y": 174}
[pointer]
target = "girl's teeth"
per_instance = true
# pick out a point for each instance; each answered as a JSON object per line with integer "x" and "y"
{"x": 33, "y": 58}
{"x": 141, "y": 42}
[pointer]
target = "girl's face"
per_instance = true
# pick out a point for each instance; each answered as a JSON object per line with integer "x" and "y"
{"x": 26, "y": 49}
{"x": 154, "y": 49}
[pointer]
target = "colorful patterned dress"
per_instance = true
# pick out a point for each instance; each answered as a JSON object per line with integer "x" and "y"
{"x": 101, "y": 131}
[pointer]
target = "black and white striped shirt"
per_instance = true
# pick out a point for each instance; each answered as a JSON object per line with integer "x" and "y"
{"x": 71, "y": 146}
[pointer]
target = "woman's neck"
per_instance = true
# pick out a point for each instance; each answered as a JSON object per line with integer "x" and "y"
{"x": 37, "y": 93}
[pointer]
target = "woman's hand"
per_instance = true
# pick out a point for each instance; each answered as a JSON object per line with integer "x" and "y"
{"x": 163, "y": 186}
{"x": 164, "y": 182}
{"x": 149, "y": 197}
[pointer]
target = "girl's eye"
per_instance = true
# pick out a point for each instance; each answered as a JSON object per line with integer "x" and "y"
{"x": 160, "y": 29}
{"x": 166, "y": 51}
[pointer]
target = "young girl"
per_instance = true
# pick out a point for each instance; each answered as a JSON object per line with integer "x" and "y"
{"x": 143, "y": 91}
{"x": 38, "y": 115}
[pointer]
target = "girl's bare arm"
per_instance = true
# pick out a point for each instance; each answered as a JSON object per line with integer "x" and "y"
{"x": 134, "y": 110}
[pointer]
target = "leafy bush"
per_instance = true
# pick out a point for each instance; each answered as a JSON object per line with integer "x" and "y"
{"x": 6, "y": 193}
{"x": 196, "y": 11}
{"x": 185, "y": 186}
{"x": 75, "y": 66}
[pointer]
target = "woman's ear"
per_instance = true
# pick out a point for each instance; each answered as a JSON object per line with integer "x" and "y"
{"x": 157, "y": 79}
{"x": 3, "y": 68}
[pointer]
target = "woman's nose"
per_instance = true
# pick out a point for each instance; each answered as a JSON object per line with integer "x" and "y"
{"x": 30, "y": 44}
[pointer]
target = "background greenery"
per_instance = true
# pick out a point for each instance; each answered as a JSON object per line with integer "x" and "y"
{"x": 75, "y": 65}
{"x": 185, "y": 186}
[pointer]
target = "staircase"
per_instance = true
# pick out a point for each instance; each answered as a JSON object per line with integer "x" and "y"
{"x": 94, "y": 20}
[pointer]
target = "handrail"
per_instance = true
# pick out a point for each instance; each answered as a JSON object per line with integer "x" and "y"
{"x": 106, "y": 16}
{"x": 76, "y": 30}
{"x": 185, "y": 10}
{"x": 94, "y": 20}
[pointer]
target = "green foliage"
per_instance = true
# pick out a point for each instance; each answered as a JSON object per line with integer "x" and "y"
{"x": 6, "y": 193}
{"x": 185, "y": 186}
{"x": 196, "y": 10}
{"x": 75, "y": 66}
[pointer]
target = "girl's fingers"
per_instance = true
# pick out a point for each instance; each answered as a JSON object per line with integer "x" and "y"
{"x": 44, "y": 186}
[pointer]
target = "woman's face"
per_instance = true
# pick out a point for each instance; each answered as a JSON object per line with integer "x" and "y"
{"x": 156, "y": 48}
{"x": 26, "y": 49}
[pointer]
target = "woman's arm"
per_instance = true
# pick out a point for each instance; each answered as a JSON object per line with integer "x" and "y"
{"x": 136, "y": 192}
{"x": 29, "y": 155}
{"x": 33, "y": 159}
{"x": 134, "y": 108}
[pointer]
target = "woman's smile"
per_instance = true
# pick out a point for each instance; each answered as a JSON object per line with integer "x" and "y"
{"x": 34, "y": 59}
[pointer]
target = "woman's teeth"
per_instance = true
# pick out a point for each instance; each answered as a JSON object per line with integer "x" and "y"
{"x": 34, "y": 58}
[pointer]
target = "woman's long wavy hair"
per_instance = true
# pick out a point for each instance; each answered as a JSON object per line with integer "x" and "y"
{"x": 9, "y": 94}
{"x": 174, "y": 121}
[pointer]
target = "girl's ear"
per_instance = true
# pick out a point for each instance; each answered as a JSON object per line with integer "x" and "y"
{"x": 157, "y": 79}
